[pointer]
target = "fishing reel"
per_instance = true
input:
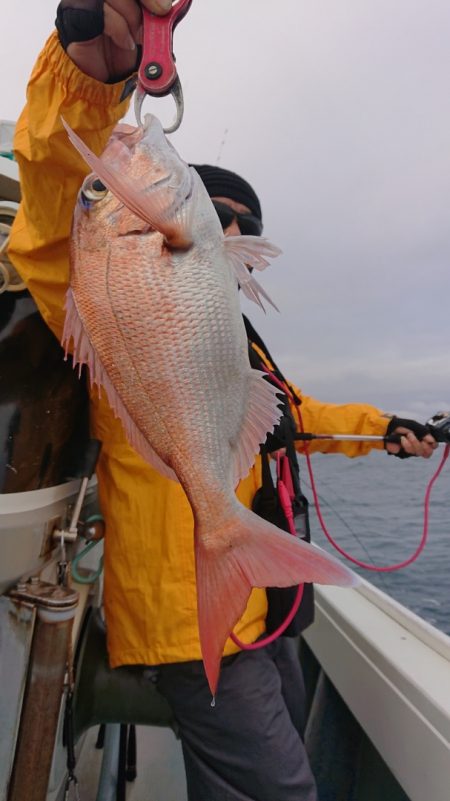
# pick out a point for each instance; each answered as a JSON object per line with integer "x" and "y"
{"x": 439, "y": 426}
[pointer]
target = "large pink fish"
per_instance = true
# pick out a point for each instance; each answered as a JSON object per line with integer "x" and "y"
{"x": 153, "y": 309}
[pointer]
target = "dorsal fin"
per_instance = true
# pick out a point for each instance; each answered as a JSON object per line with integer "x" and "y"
{"x": 85, "y": 353}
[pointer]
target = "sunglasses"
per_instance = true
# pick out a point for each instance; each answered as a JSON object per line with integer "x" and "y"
{"x": 247, "y": 222}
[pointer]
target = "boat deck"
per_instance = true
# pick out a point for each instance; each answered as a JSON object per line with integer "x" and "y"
{"x": 160, "y": 769}
{"x": 378, "y": 685}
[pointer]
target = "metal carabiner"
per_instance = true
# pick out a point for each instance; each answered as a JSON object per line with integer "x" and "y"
{"x": 157, "y": 74}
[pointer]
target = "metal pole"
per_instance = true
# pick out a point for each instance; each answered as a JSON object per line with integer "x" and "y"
{"x": 107, "y": 785}
{"x": 307, "y": 437}
{"x": 348, "y": 437}
{"x": 44, "y": 688}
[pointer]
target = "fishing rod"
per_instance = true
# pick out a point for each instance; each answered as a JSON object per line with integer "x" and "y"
{"x": 438, "y": 426}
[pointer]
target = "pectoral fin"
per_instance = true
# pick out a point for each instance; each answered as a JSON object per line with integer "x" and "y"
{"x": 250, "y": 251}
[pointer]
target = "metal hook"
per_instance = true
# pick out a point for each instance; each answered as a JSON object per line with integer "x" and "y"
{"x": 177, "y": 94}
{"x": 157, "y": 73}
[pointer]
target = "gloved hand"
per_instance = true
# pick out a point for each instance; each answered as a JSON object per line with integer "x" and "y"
{"x": 417, "y": 440}
{"x": 101, "y": 36}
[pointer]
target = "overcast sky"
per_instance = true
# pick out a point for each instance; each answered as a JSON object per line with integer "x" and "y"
{"x": 337, "y": 111}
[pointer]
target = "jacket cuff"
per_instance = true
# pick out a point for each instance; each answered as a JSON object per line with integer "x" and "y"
{"x": 83, "y": 86}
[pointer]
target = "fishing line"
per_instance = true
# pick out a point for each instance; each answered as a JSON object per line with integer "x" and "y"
{"x": 221, "y": 146}
{"x": 342, "y": 519}
{"x": 365, "y": 565}
{"x": 360, "y": 563}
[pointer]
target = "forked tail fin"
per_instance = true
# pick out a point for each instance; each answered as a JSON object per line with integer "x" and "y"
{"x": 250, "y": 553}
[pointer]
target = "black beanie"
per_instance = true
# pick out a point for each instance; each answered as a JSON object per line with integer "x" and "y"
{"x": 224, "y": 183}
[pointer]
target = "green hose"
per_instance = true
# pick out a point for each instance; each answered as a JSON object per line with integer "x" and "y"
{"x": 92, "y": 577}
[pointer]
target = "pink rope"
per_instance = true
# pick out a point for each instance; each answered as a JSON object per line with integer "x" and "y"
{"x": 366, "y": 565}
{"x": 253, "y": 646}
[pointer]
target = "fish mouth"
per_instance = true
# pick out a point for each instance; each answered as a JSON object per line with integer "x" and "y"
{"x": 153, "y": 133}
{"x": 150, "y": 120}
{"x": 178, "y": 178}
{"x": 171, "y": 188}
{"x": 152, "y": 128}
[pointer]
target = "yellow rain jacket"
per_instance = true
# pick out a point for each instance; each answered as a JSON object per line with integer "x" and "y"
{"x": 150, "y": 593}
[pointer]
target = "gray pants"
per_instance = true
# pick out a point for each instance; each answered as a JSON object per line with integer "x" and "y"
{"x": 249, "y": 746}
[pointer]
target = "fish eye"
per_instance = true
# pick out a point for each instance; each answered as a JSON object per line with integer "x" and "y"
{"x": 93, "y": 191}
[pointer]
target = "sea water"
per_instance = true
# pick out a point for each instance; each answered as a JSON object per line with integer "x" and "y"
{"x": 374, "y": 508}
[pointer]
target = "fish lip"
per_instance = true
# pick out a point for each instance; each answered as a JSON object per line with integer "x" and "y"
{"x": 150, "y": 121}
{"x": 182, "y": 184}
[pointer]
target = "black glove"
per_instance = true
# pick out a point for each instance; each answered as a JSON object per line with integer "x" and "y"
{"x": 417, "y": 428}
{"x": 79, "y": 21}
{"x": 283, "y": 432}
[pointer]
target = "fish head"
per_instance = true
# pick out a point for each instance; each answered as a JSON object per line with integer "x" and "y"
{"x": 141, "y": 184}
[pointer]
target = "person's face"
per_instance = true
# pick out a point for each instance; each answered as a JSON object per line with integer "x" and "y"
{"x": 233, "y": 229}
